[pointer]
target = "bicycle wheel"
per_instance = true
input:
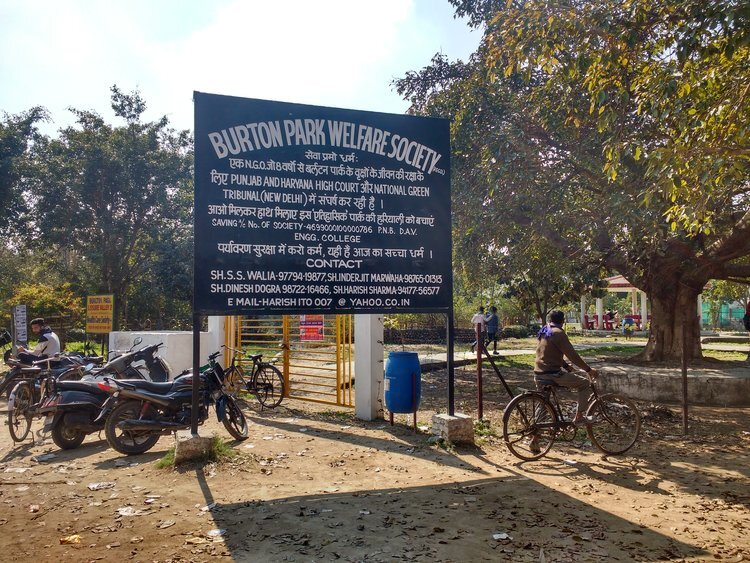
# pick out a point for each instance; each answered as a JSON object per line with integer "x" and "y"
{"x": 268, "y": 386}
{"x": 19, "y": 418}
{"x": 615, "y": 423}
{"x": 529, "y": 426}
{"x": 234, "y": 381}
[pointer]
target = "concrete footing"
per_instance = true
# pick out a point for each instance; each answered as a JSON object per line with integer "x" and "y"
{"x": 189, "y": 447}
{"x": 457, "y": 429}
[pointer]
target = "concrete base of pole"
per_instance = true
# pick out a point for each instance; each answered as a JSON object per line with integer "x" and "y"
{"x": 457, "y": 429}
{"x": 189, "y": 447}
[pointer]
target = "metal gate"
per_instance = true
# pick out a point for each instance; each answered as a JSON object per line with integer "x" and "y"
{"x": 314, "y": 352}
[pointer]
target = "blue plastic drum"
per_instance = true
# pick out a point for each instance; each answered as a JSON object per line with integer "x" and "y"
{"x": 403, "y": 382}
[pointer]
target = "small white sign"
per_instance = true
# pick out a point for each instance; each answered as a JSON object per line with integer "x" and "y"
{"x": 19, "y": 324}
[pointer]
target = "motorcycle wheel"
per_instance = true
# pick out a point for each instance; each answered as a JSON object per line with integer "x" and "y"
{"x": 65, "y": 437}
{"x": 234, "y": 419}
{"x": 124, "y": 441}
{"x": 19, "y": 419}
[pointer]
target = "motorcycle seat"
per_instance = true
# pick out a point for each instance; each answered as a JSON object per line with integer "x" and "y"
{"x": 142, "y": 384}
{"x": 86, "y": 387}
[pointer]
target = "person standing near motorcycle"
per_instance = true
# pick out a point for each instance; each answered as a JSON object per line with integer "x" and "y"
{"x": 48, "y": 344}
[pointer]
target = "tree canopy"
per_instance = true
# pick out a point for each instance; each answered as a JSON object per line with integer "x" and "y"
{"x": 108, "y": 208}
{"x": 17, "y": 136}
{"x": 574, "y": 121}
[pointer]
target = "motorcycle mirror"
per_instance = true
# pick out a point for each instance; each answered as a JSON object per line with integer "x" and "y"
{"x": 137, "y": 341}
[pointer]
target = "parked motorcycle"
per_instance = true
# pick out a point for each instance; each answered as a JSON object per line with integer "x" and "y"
{"x": 143, "y": 411}
{"x": 74, "y": 408}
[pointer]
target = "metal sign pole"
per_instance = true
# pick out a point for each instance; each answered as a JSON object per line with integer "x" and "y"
{"x": 196, "y": 372}
{"x": 450, "y": 365}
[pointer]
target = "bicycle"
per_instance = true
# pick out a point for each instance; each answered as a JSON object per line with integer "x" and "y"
{"x": 533, "y": 420}
{"x": 265, "y": 380}
{"x": 29, "y": 396}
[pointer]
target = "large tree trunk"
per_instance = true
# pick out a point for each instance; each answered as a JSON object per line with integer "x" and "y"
{"x": 674, "y": 320}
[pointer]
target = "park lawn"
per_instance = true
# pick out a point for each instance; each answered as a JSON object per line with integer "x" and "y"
{"x": 526, "y": 361}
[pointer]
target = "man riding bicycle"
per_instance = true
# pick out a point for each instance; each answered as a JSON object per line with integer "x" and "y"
{"x": 550, "y": 366}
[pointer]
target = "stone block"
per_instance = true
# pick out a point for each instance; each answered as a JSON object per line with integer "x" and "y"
{"x": 457, "y": 429}
{"x": 190, "y": 448}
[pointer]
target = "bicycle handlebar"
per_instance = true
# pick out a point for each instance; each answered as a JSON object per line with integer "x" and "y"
{"x": 240, "y": 352}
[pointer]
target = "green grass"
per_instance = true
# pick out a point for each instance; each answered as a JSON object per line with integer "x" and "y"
{"x": 337, "y": 415}
{"x": 167, "y": 461}
{"x": 523, "y": 361}
{"x": 442, "y": 443}
{"x": 483, "y": 429}
{"x": 220, "y": 450}
{"x": 78, "y": 346}
{"x": 611, "y": 350}
{"x": 725, "y": 355}
{"x": 526, "y": 361}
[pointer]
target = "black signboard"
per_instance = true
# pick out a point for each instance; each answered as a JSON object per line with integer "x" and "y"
{"x": 304, "y": 208}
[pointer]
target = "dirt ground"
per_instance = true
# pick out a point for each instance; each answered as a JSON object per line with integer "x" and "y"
{"x": 314, "y": 484}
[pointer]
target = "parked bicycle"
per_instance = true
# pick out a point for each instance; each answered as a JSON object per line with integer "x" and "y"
{"x": 533, "y": 420}
{"x": 32, "y": 392}
{"x": 265, "y": 381}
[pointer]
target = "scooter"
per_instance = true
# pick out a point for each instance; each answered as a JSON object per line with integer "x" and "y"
{"x": 143, "y": 363}
{"x": 139, "y": 412}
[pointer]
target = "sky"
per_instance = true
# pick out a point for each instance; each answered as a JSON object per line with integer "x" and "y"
{"x": 339, "y": 53}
